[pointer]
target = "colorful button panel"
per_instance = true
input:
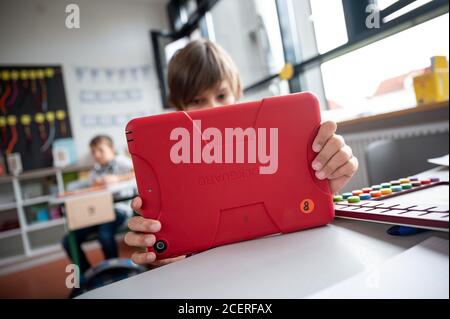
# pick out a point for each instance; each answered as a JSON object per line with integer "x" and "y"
{"x": 365, "y": 196}
{"x": 384, "y": 189}
{"x": 375, "y": 194}
{"x": 422, "y": 216}
{"x": 354, "y": 199}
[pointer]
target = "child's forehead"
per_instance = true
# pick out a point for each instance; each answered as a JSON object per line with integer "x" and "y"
{"x": 101, "y": 144}
{"x": 224, "y": 84}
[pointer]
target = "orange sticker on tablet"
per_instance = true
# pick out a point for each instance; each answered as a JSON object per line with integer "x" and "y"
{"x": 307, "y": 206}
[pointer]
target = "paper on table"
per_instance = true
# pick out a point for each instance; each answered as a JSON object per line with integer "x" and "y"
{"x": 443, "y": 161}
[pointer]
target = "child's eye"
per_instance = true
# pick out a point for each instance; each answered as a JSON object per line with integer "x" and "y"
{"x": 197, "y": 101}
{"x": 221, "y": 96}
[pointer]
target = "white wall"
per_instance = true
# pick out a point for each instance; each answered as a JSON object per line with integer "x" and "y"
{"x": 114, "y": 34}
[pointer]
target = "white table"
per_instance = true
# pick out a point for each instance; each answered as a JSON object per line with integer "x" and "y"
{"x": 297, "y": 265}
{"x": 114, "y": 189}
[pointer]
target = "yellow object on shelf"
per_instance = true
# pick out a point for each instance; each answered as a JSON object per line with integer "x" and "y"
{"x": 432, "y": 86}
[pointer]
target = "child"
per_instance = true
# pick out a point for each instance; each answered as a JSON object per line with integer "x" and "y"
{"x": 203, "y": 75}
{"x": 108, "y": 168}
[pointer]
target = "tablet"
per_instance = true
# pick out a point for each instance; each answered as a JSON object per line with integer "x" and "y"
{"x": 227, "y": 174}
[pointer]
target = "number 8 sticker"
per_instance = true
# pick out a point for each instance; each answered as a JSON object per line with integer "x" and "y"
{"x": 307, "y": 206}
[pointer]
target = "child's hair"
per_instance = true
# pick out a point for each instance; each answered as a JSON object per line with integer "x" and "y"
{"x": 200, "y": 66}
{"x": 100, "y": 139}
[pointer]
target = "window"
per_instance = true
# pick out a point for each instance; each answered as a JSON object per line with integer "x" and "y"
{"x": 329, "y": 24}
{"x": 250, "y": 31}
{"x": 376, "y": 79}
{"x": 400, "y": 10}
{"x": 383, "y": 4}
{"x": 337, "y": 54}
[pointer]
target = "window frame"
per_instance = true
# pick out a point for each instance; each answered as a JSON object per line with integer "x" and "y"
{"x": 359, "y": 35}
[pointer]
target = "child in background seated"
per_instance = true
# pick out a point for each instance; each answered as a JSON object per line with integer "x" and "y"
{"x": 203, "y": 75}
{"x": 108, "y": 168}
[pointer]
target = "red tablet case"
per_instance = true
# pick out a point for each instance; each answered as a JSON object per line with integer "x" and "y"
{"x": 201, "y": 206}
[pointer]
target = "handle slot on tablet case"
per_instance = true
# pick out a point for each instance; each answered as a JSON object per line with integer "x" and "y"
{"x": 242, "y": 223}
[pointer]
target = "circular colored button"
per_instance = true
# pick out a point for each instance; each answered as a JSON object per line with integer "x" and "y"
{"x": 386, "y": 191}
{"x": 367, "y": 190}
{"x": 347, "y": 195}
{"x": 357, "y": 192}
{"x": 307, "y": 206}
{"x": 404, "y": 180}
{"x": 435, "y": 180}
{"x": 365, "y": 196}
{"x": 386, "y": 185}
{"x": 407, "y": 186}
{"x": 338, "y": 198}
{"x": 394, "y": 183}
{"x": 376, "y": 187}
{"x": 397, "y": 188}
{"x": 425, "y": 181}
{"x": 416, "y": 183}
{"x": 354, "y": 199}
{"x": 413, "y": 179}
{"x": 375, "y": 194}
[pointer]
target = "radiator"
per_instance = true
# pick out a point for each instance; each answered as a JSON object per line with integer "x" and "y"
{"x": 360, "y": 141}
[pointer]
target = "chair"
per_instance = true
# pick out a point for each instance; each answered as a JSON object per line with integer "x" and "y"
{"x": 391, "y": 159}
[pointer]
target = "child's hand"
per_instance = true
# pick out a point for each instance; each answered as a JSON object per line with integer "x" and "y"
{"x": 335, "y": 160}
{"x": 141, "y": 236}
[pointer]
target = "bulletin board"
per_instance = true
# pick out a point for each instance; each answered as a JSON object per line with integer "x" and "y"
{"x": 33, "y": 113}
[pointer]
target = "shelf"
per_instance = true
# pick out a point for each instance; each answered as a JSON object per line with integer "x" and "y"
{"x": 45, "y": 172}
{"x": 45, "y": 250}
{"x": 44, "y": 225}
{"x": 6, "y": 179}
{"x": 36, "y": 200}
{"x": 32, "y": 244}
{"x": 10, "y": 233}
{"x": 420, "y": 110}
{"x": 37, "y": 173}
{"x": 7, "y": 261}
{"x": 8, "y": 206}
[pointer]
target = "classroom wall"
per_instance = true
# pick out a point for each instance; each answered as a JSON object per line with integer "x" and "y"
{"x": 107, "y": 63}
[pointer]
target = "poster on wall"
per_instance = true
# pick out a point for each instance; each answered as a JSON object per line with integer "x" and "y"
{"x": 107, "y": 97}
{"x": 33, "y": 113}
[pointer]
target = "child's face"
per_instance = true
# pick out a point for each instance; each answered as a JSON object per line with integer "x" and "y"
{"x": 102, "y": 153}
{"x": 218, "y": 96}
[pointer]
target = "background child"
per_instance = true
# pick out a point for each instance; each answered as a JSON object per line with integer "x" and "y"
{"x": 108, "y": 168}
{"x": 203, "y": 75}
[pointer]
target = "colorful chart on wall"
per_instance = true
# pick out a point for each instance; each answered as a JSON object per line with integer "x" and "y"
{"x": 33, "y": 113}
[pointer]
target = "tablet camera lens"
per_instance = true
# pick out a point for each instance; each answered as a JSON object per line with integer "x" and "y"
{"x": 160, "y": 246}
